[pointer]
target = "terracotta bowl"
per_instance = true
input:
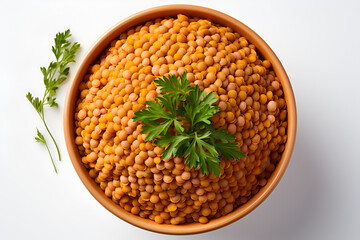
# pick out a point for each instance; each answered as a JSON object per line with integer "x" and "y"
{"x": 100, "y": 45}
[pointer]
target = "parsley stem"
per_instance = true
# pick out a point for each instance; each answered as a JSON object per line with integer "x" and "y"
{"x": 41, "y": 115}
{"x": 57, "y": 148}
{"x": 43, "y": 119}
{"x": 54, "y": 72}
{"x": 50, "y": 157}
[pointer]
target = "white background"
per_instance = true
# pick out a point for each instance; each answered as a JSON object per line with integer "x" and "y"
{"x": 319, "y": 195}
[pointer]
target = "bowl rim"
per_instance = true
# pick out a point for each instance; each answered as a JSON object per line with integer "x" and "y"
{"x": 103, "y": 42}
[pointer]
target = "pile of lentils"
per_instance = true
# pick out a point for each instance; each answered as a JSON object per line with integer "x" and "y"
{"x": 129, "y": 169}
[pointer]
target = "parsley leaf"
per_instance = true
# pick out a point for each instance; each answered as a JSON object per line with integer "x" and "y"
{"x": 175, "y": 142}
{"x": 229, "y": 150}
{"x": 40, "y": 138}
{"x": 173, "y": 86}
{"x": 201, "y": 145}
{"x": 153, "y": 113}
{"x": 156, "y": 129}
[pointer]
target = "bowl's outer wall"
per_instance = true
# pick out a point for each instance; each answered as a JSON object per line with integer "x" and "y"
{"x": 92, "y": 55}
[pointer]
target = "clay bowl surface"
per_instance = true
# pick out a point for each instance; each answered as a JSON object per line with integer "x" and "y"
{"x": 100, "y": 45}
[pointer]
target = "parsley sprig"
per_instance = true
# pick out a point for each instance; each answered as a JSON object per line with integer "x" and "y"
{"x": 40, "y": 139}
{"x": 200, "y": 144}
{"x": 54, "y": 75}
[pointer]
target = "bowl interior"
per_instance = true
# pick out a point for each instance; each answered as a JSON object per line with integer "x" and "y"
{"x": 92, "y": 55}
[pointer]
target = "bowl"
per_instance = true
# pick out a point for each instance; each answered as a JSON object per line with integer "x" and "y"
{"x": 94, "y": 52}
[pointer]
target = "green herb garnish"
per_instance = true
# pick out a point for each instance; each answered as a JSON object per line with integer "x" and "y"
{"x": 200, "y": 144}
{"x": 53, "y": 76}
{"x": 40, "y": 139}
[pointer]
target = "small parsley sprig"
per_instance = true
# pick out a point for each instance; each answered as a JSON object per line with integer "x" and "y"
{"x": 40, "y": 139}
{"x": 55, "y": 74}
{"x": 200, "y": 144}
